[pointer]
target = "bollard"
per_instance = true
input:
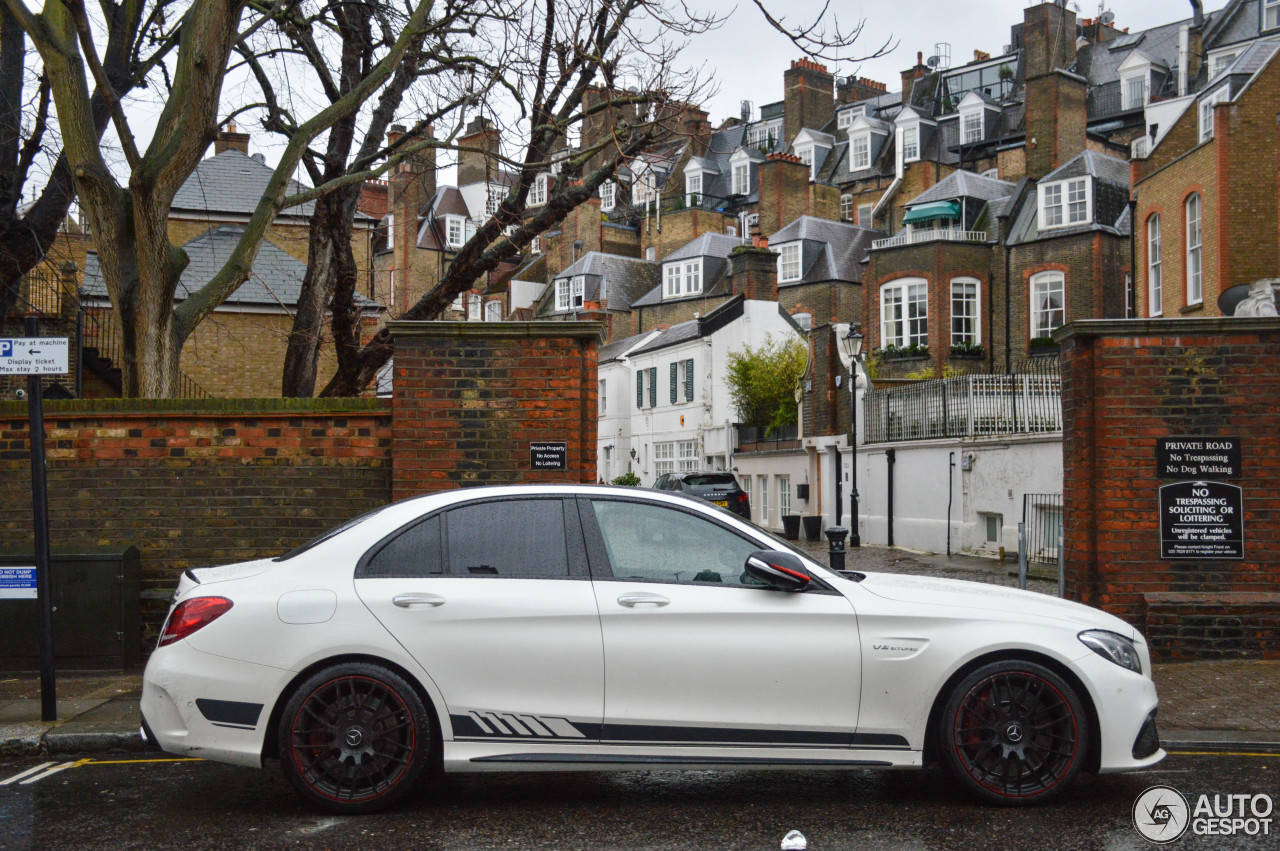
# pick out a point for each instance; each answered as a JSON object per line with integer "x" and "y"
{"x": 835, "y": 555}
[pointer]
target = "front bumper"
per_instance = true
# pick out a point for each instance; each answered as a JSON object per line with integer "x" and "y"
{"x": 1126, "y": 704}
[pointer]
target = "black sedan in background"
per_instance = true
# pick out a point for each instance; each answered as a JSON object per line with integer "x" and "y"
{"x": 719, "y": 488}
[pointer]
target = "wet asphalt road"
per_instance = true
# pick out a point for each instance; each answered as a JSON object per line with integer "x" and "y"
{"x": 205, "y": 805}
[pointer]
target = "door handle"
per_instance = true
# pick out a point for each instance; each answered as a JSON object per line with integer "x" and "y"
{"x": 633, "y": 600}
{"x": 406, "y": 601}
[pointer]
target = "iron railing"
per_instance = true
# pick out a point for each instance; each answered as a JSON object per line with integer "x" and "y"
{"x": 967, "y": 406}
{"x": 1042, "y": 519}
{"x": 919, "y": 235}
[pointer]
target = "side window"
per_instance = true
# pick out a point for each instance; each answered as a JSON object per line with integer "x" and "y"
{"x": 517, "y": 537}
{"x": 411, "y": 552}
{"x": 659, "y": 544}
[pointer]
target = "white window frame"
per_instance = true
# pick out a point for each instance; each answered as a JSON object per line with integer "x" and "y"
{"x": 693, "y": 188}
{"x": 1222, "y": 61}
{"x": 904, "y": 313}
{"x": 1155, "y": 269}
{"x": 1270, "y": 14}
{"x": 391, "y": 230}
{"x": 860, "y": 151}
{"x": 973, "y": 301}
{"x": 644, "y": 187}
{"x": 742, "y": 178}
{"x": 789, "y": 266}
{"x": 664, "y": 458}
{"x": 971, "y": 131}
{"x": 473, "y": 308}
{"x": 687, "y": 457}
{"x": 1127, "y": 90}
{"x": 1193, "y": 214}
{"x": 491, "y": 203}
{"x": 570, "y": 293}
{"x": 454, "y": 231}
{"x": 1059, "y": 200}
{"x": 1042, "y": 318}
{"x": 538, "y": 190}
{"x": 784, "y": 495}
{"x": 682, "y": 278}
{"x": 866, "y": 213}
{"x": 603, "y": 394}
{"x": 1207, "y": 103}
{"x": 608, "y": 195}
{"x": 535, "y": 244}
{"x": 806, "y": 155}
{"x": 845, "y": 118}
{"x": 764, "y": 499}
{"x": 846, "y": 208}
{"x": 911, "y": 143}
{"x": 493, "y": 311}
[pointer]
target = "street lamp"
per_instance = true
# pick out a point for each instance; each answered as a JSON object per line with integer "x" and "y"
{"x": 850, "y": 353}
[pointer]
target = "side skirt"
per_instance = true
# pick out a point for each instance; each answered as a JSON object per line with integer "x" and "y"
{"x": 517, "y": 756}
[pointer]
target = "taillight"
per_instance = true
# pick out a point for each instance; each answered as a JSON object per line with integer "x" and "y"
{"x": 192, "y": 615}
{"x": 741, "y": 497}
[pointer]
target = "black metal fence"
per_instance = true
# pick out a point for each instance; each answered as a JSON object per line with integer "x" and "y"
{"x": 1028, "y": 402}
{"x": 1042, "y": 519}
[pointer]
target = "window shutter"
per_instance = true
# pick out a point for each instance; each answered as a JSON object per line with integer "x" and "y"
{"x": 674, "y": 381}
{"x": 640, "y": 389}
{"x": 653, "y": 386}
{"x": 688, "y": 380}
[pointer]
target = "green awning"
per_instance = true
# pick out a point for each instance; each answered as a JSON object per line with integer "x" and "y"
{"x": 933, "y": 210}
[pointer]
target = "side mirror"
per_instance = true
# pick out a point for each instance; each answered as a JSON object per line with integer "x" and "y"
{"x": 777, "y": 570}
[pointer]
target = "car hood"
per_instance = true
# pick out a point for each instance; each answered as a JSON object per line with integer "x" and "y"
{"x": 994, "y": 598}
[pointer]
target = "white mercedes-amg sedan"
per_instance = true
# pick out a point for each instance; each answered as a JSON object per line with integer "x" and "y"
{"x": 554, "y": 628}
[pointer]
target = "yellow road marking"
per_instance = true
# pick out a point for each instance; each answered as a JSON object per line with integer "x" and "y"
{"x": 131, "y": 761}
{"x": 1222, "y": 753}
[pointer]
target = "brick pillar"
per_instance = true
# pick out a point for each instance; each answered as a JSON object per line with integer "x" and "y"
{"x": 754, "y": 271}
{"x": 470, "y": 397}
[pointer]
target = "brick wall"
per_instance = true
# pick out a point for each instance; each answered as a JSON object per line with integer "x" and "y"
{"x": 668, "y": 313}
{"x": 194, "y": 483}
{"x": 469, "y": 398}
{"x": 1126, "y": 383}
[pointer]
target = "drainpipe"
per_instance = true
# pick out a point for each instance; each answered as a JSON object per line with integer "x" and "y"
{"x": 890, "y": 456}
{"x": 1133, "y": 256}
{"x": 951, "y": 471}
{"x": 897, "y": 177}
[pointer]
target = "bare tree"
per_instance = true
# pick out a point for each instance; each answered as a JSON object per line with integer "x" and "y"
{"x": 561, "y": 50}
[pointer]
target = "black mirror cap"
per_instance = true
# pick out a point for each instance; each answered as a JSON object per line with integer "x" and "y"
{"x": 780, "y": 570}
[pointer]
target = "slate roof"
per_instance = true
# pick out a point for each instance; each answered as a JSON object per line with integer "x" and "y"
{"x": 616, "y": 280}
{"x": 447, "y": 201}
{"x": 717, "y": 179}
{"x": 832, "y": 251}
{"x": 707, "y": 245}
{"x": 232, "y": 183}
{"x": 695, "y": 329}
{"x": 1110, "y": 199}
{"x": 1092, "y": 163}
{"x": 275, "y": 280}
{"x": 964, "y": 184}
{"x": 613, "y": 351}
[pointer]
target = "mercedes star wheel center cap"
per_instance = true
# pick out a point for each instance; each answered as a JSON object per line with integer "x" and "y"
{"x": 1014, "y": 733}
{"x": 354, "y": 738}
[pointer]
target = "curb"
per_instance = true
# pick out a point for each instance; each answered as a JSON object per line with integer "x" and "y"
{"x": 1221, "y": 740}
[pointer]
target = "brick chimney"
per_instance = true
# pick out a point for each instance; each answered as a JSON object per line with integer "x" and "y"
{"x": 597, "y": 126}
{"x": 1055, "y": 98}
{"x": 753, "y": 270}
{"x": 912, "y": 74}
{"x": 854, "y": 89}
{"x": 809, "y": 98}
{"x": 231, "y": 139}
{"x": 480, "y": 165}
{"x": 696, "y": 128}
{"x": 784, "y": 191}
{"x": 409, "y": 189}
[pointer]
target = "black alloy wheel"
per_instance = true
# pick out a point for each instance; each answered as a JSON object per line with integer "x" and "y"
{"x": 1014, "y": 733}
{"x": 354, "y": 738}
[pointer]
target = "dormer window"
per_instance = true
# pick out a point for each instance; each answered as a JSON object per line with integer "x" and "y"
{"x": 911, "y": 143}
{"x": 454, "y": 231}
{"x": 693, "y": 188}
{"x": 860, "y": 151}
{"x": 845, "y": 119}
{"x": 491, "y": 202}
{"x": 538, "y": 191}
{"x": 971, "y": 126}
{"x": 644, "y": 188}
{"x": 806, "y": 148}
{"x": 1207, "y": 104}
{"x": 763, "y": 136}
{"x": 570, "y": 292}
{"x": 608, "y": 195}
{"x": 742, "y": 178}
{"x": 789, "y": 263}
{"x": 1064, "y": 203}
{"x": 1135, "y": 90}
{"x": 681, "y": 278}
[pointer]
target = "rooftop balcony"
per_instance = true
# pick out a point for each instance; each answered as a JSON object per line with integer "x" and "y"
{"x": 920, "y": 235}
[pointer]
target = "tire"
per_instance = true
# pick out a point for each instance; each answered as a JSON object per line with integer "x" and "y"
{"x": 354, "y": 738}
{"x": 1014, "y": 733}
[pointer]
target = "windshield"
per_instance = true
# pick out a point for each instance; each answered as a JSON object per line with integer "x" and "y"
{"x": 336, "y": 530}
{"x": 710, "y": 479}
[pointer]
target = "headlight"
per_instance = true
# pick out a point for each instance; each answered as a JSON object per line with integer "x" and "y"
{"x": 1113, "y": 648}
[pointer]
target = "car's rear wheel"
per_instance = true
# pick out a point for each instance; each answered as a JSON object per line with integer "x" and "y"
{"x": 1014, "y": 733}
{"x": 354, "y": 738}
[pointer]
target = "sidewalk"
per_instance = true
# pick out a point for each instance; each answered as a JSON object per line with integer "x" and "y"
{"x": 1219, "y": 705}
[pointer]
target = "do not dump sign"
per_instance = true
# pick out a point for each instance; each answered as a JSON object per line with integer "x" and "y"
{"x": 1201, "y": 520}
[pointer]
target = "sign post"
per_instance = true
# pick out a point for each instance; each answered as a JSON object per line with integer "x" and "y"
{"x": 33, "y": 357}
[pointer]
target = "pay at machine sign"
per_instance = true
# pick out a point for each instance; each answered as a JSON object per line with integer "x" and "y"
{"x": 33, "y": 356}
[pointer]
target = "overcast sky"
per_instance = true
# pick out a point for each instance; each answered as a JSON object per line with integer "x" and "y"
{"x": 748, "y": 59}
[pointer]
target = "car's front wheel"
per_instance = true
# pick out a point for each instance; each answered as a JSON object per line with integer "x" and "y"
{"x": 354, "y": 738}
{"x": 1014, "y": 733}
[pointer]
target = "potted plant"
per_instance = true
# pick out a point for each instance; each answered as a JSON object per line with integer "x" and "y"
{"x": 813, "y": 527}
{"x": 966, "y": 350}
{"x": 1043, "y": 346}
{"x": 791, "y": 527}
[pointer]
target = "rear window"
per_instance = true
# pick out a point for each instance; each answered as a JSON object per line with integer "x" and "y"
{"x": 710, "y": 479}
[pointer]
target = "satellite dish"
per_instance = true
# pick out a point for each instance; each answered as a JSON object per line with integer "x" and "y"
{"x": 933, "y": 61}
